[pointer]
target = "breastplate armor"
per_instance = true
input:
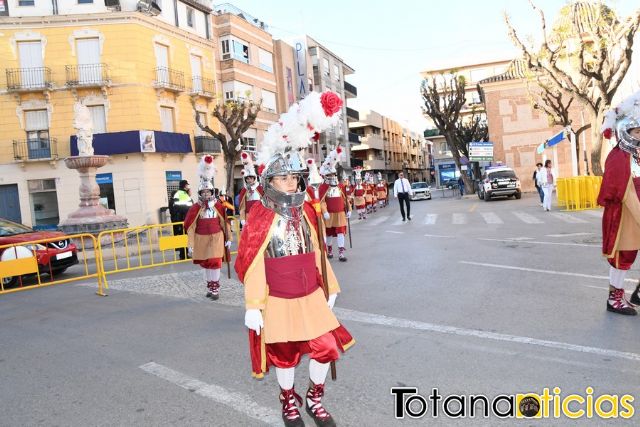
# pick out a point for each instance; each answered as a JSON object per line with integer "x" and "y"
{"x": 333, "y": 192}
{"x": 291, "y": 236}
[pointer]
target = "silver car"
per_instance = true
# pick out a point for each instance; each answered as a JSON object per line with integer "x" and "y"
{"x": 421, "y": 191}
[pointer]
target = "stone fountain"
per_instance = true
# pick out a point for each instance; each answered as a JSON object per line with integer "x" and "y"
{"x": 91, "y": 216}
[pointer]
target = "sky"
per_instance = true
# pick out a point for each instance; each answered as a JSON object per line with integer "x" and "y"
{"x": 390, "y": 43}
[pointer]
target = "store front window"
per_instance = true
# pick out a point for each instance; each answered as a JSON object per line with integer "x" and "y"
{"x": 105, "y": 182}
{"x": 44, "y": 204}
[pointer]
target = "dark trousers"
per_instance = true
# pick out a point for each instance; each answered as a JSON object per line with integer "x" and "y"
{"x": 404, "y": 198}
{"x": 178, "y": 230}
{"x": 540, "y": 193}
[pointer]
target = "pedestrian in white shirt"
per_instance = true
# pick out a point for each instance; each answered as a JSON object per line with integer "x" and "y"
{"x": 547, "y": 180}
{"x": 402, "y": 191}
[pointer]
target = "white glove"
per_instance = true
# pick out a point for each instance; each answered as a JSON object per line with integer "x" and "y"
{"x": 242, "y": 222}
{"x": 190, "y": 252}
{"x": 348, "y": 214}
{"x": 332, "y": 300}
{"x": 227, "y": 243}
{"x": 253, "y": 320}
{"x": 326, "y": 216}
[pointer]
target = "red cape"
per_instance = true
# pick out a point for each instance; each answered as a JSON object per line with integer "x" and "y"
{"x": 614, "y": 185}
{"x": 255, "y": 232}
{"x": 243, "y": 193}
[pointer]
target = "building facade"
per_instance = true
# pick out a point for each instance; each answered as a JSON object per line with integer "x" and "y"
{"x": 386, "y": 147}
{"x": 138, "y": 70}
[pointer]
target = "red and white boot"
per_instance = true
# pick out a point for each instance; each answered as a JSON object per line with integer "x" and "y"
{"x": 214, "y": 290}
{"x": 314, "y": 406}
{"x": 617, "y": 302}
{"x": 290, "y": 401}
{"x": 329, "y": 251}
{"x": 341, "y": 255}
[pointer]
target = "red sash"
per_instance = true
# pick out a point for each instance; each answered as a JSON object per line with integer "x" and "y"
{"x": 334, "y": 204}
{"x": 292, "y": 276}
{"x": 248, "y": 205}
{"x": 208, "y": 226}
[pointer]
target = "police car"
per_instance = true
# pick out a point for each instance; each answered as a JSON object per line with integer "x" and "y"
{"x": 499, "y": 181}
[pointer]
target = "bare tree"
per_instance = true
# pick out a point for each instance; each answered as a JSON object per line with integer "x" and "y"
{"x": 236, "y": 116}
{"x": 444, "y": 97}
{"x": 586, "y": 55}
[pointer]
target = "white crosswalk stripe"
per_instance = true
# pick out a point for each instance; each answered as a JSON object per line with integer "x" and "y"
{"x": 525, "y": 217}
{"x": 458, "y": 218}
{"x": 568, "y": 218}
{"x": 430, "y": 219}
{"x": 491, "y": 218}
{"x": 594, "y": 212}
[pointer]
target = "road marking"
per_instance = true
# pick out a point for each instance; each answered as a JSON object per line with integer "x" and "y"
{"x": 438, "y": 235}
{"x": 378, "y": 319}
{"x": 473, "y": 207}
{"x": 537, "y": 270}
{"x": 570, "y": 234}
{"x": 458, "y": 218}
{"x": 430, "y": 219}
{"x": 568, "y": 218}
{"x": 239, "y": 402}
{"x": 525, "y": 217}
{"x": 395, "y": 232}
{"x": 542, "y": 243}
{"x": 491, "y": 218}
{"x": 597, "y": 213}
{"x": 378, "y": 221}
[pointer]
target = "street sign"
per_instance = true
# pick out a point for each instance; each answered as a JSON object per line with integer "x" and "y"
{"x": 480, "y": 151}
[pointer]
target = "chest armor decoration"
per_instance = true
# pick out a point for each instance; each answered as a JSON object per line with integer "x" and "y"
{"x": 291, "y": 236}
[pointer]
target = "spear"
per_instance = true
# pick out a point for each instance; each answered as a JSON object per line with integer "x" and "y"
{"x": 314, "y": 181}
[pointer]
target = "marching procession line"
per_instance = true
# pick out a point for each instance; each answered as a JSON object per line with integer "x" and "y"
{"x": 378, "y": 319}
{"x": 239, "y": 402}
{"x": 537, "y": 270}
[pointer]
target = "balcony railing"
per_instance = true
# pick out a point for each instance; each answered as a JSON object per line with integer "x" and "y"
{"x": 350, "y": 90}
{"x": 28, "y": 79}
{"x": 207, "y": 144}
{"x": 353, "y": 114}
{"x": 203, "y": 87}
{"x": 35, "y": 149}
{"x": 169, "y": 79}
{"x": 88, "y": 75}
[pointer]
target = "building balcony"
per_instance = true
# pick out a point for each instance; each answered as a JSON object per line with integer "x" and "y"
{"x": 29, "y": 79}
{"x": 354, "y": 138}
{"x": 377, "y": 164}
{"x": 205, "y": 88}
{"x": 88, "y": 75}
{"x": 350, "y": 91}
{"x": 369, "y": 142}
{"x": 35, "y": 149}
{"x": 352, "y": 115}
{"x": 207, "y": 144}
{"x": 169, "y": 79}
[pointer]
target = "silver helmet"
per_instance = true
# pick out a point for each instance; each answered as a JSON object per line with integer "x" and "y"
{"x": 283, "y": 164}
{"x": 627, "y": 142}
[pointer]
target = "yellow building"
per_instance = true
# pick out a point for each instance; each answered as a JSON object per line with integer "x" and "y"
{"x": 138, "y": 74}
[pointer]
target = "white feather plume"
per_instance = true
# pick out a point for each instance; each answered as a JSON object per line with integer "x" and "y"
{"x": 206, "y": 171}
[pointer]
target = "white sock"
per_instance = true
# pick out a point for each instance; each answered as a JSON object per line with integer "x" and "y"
{"x": 285, "y": 377}
{"x": 329, "y": 240}
{"x": 212, "y": 275}
{"x": 340, "y": 240}
{"x": 616, "y": 277}
{"x": 318, "y": 371}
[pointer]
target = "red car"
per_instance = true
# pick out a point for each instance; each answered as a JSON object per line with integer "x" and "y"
{"x": 54, "y": 257}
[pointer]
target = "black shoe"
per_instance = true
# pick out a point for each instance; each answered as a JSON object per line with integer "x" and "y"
{"x": 403, "y": 219}
{"x": 635, "y": 296}
{"x": 409, "y": 218}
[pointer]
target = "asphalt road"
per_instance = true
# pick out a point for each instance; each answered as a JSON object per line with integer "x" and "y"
{"x": 470, "y": 297}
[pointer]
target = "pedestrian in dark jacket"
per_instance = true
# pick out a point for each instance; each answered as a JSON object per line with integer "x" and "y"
{"x": 179, "y": 205}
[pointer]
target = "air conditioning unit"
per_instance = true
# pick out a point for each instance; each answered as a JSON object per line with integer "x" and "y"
{"x": 149, "y": 7}
{"x": 112, "y": 4}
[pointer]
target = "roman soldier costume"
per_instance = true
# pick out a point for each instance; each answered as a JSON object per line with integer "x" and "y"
{"x": 347, "y": 188}
{"x": 252, "y": 191}
{"x": 335, "y": 205}
{"x": 381, "y": 190}
{"x": 208, "y": 233}
{"x": 359, "y": 193}
{"x": 619, "y": 194}
{"x": 368, "y": 192}
{"x": 279, "y": 259}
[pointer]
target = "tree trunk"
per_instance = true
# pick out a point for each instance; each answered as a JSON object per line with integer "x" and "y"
{"x": 468, "y": 183}
{"x": 596, "y": 144}
{"x": 230, "y": 164}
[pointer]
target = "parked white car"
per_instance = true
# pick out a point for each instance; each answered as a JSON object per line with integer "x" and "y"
{"x": 421, "y": 191}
